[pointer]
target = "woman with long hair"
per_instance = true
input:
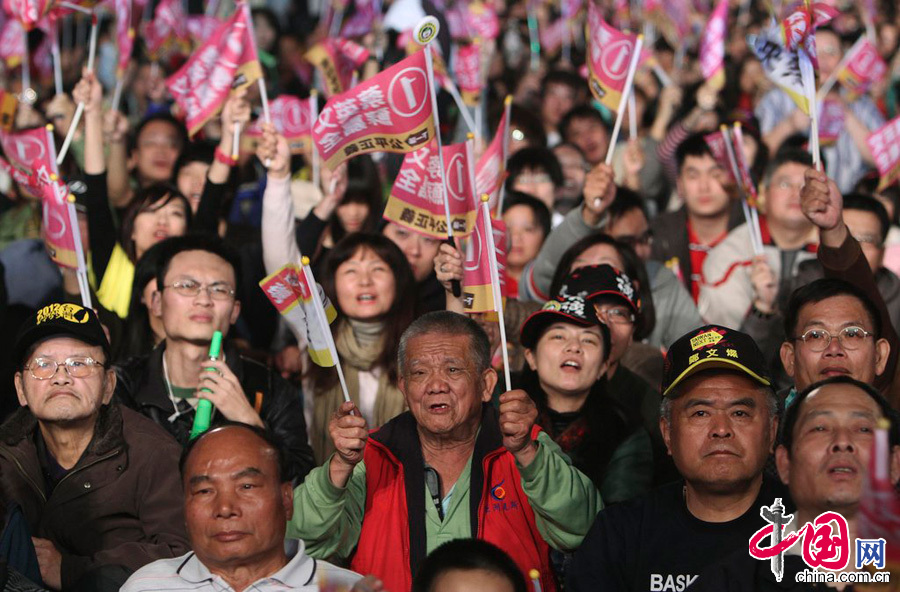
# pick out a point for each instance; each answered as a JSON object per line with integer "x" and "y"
{"x": 371, "y": 284}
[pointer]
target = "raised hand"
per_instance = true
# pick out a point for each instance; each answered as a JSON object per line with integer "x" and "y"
{"x": 599, "y": 192}
{"x": 349, "y": 432}
{"x": 517, "y": 416}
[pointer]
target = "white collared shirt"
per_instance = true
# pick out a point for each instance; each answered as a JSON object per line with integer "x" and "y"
{"x": 187, "y": 573}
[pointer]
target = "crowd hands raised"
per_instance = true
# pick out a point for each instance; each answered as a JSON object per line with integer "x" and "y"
{"x": 667, "y": 379}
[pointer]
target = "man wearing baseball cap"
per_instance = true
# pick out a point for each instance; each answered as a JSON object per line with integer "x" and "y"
{"x": 718, "y": 420}
{"x": 98, "y": 484}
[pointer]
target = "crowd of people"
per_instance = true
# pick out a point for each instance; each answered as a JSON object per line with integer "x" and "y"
{"x": 668, "y": 383}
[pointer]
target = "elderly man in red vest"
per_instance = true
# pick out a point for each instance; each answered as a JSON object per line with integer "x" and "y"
{"x": 451, "y": 467}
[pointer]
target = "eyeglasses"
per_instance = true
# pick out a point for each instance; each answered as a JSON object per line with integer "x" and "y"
{"x": 190, "y": 289}
{"x": 615, "y": 316}
{"x": 632, "y": 241}
{"x": 77, "y": 367}
{"x": 850, "y": 338}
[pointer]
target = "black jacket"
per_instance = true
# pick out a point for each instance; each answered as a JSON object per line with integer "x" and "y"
{"x": 121, "y": 504}
{"x": 142, "y": 387}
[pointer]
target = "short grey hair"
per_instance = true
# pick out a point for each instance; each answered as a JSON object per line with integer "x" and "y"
{"x": 665, "y": 406}
{"x": 444, "y": 322}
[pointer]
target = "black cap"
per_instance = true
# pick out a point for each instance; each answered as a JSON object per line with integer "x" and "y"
{"x": 594, "y": 281}
{"x": 572, "y": 308}
{"x": 713, "y": 347}
{"x": 61, "y": 320}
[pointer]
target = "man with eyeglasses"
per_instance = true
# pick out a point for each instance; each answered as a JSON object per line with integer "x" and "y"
{"x": 97, "y": 483}
{"x": 196, "y": 282}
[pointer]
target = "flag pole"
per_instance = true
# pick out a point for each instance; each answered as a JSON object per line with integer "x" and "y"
{"x": 79, "y": 110}
{"x": 425, "y": 32}
{"x": 832, "y": 78}
{"x": 745, "y": 166}
{"x": 809, "y": 87}
{"x": 57, "y": 65}
{"x": 26, "y": 66}
{"x": 314, "y": 116}
{"x": 81, "y": 270}
{"x": 495, "y": 285}
{"x": 755, "y": 240}
{"x": 323, "y": 322}
{"x": 507, "y": 108}
{"x": 632, "y": 117}
{"x": 629, "y": 80}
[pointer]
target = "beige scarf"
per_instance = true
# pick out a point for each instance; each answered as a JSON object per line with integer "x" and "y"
{"x": 359, "y": 345}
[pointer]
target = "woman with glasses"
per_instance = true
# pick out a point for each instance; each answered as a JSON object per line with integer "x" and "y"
{"x": 567, "y": 348}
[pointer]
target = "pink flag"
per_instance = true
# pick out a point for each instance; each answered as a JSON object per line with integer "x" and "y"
{"x": 478, "y": 293}
{"x": 885, "y": 147}
{"x": 864, "y": 68}
{"x": 552, "y": 35}
{"x": 12, "y": 43}
{"x": 337, "y": 60}
{"x": 26, "y": 147}
{"x": 292, "y": 119}
{"x": 718, "y": 144}
{"x": 390, "y": 112}
{"x": 743, "y": 166}
{"x": 470, "y": 20}
{"x": 361, "y": 21}
{"x": 168, "y": 29}
{"x": 490, "y": 172}
{"x": 416, "y": 199}
{"x": 226, "y": 61}
{"x": 609, "y": 56}
{"x": 27, "y": 12}
{"x": 201, "y": 26}
{"x": 712, "y": 46}
{"x": 467, "y": 68}
{"x": 831, "y": 121}
{"x": 42, "y": 61}
{"x": 59, "y": 221}
{"x": 124, "y": 34}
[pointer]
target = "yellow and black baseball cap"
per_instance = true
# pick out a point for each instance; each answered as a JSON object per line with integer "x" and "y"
{"x": 713, "y": 347}
{"x": 61, "y": 319}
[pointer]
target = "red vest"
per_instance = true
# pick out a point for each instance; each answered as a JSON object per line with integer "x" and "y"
{"x": 392, "y": 541}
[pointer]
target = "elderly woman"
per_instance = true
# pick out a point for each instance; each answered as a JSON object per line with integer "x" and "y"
{"x": 567, "y": 350}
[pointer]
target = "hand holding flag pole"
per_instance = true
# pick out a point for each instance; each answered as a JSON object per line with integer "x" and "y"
{"x": 425, "y": 32}
{"x": 629, "y": 81}
{"x": 79, "y": 110}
